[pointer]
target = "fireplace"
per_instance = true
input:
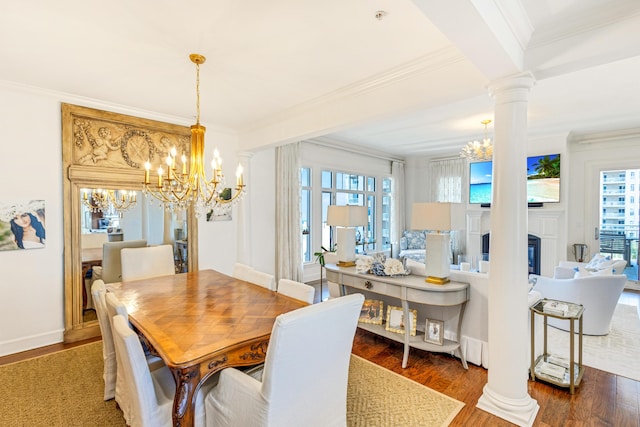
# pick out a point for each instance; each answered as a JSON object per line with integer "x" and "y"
{"x": 533, "y": 251}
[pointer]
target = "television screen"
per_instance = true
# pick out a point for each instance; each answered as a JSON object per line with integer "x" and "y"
{"x": 543, "y": 180}
{"x": 480, "y": 182}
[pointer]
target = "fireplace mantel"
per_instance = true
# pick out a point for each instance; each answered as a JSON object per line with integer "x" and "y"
{"x": 543, "y": 223}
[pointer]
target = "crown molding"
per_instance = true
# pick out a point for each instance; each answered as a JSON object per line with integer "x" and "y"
{"x": 423, "y": 65}
{"x": 631, "y": 134}
{"x": 587, "y": 22}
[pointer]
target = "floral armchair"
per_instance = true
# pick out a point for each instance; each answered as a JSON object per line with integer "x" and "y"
{"x": 412, "y": 245}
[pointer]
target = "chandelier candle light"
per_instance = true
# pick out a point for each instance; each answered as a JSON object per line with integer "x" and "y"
{"x": 178, "y": 188}
{"x": 476, "y": 150}
{"x": 105, "y": 200}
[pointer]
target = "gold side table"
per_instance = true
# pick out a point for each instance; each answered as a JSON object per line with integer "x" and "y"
{"x": 551, "y": 368}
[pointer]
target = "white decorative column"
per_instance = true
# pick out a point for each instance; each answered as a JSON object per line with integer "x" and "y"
{"x": 244, "y": 206}
{"x": 506, "y": 395}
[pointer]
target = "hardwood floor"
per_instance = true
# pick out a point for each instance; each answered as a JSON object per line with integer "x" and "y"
{"x": 602, "y": 399}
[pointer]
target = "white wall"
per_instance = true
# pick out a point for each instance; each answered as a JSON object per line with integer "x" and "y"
{"x": 31, "y": 288}
{"x": 32, "y": 284}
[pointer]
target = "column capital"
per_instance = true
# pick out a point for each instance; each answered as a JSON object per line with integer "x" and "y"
{"x": 512, "y": 88}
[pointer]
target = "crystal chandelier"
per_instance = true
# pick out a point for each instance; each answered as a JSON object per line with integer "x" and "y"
{"x": 186, "y": 185}
{"x": 476, "y": 150}
{"x": 98, "y": 200}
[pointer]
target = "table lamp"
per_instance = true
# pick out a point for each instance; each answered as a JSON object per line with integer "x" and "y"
{"x": 438, "y": 219}
{"x": 345, "y": 218}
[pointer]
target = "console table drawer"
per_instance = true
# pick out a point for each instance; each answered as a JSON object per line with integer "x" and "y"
{"x": 367, "y": 284}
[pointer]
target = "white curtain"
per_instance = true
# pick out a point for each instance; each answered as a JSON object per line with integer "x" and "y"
{"x": 397, "y": 206}
{"x": 288, "y": 231}
{"x": 447, "y": 183}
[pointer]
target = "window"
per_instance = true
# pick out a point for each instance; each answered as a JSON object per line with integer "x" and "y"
{"x": 347, "y": 188}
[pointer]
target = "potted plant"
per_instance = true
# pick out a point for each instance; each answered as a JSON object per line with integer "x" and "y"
{"x": 320, "y": 258}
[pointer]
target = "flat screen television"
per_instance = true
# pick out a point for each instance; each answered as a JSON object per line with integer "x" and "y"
{"x": 543, "y": 180}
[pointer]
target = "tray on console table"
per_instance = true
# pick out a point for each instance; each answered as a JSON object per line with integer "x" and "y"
{"x": 409, "y": 290}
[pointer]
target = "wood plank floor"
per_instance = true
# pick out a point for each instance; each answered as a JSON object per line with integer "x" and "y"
{"x": 602, "y": 399}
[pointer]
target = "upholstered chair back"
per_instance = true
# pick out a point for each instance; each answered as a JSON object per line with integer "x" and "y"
{"x": 147, "y": 262}
{"x": 297, "y": 290}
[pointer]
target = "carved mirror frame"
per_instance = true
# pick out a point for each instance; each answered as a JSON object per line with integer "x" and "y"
{"x": 102, "y": 149}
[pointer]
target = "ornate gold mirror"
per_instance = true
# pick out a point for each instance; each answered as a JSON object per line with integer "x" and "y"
{"x": 105, "y": 150}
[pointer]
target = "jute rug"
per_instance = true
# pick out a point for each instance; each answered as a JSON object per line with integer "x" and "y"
{"x": 616, "y": 352}
{"x": 66, "y": 389}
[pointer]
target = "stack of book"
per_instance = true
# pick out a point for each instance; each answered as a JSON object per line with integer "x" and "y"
{"x": 555, "y": 307}
{"x": 551, "y": 370}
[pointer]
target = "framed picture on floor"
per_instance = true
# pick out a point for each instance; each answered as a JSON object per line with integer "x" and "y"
{"x": 396, "y": 322}
{"x": 434, "y": 331}
{"x": 371, "y": 312}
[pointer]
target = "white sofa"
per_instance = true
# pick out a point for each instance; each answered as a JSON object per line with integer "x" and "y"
{"x": 598, "y": 294}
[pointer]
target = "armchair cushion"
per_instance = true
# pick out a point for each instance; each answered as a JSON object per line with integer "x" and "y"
{"x": 415, "y": 239}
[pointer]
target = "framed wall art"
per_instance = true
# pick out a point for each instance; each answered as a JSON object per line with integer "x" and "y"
{"x": 396, "y": 322}
{"x": 22, "y": 225}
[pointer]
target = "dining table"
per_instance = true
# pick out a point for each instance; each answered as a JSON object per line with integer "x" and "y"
{"x": 200, "y": 323}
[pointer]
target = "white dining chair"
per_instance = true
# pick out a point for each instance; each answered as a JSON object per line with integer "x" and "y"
{"x": 147, "y": 262}
{"x": 152, "y": 392}
{"x": 304, "y": 380}
{"x": 261, "y": 279}
{"x": 98, "y": 291}
{"x": 251, "y": 275}
{"x": 111, "y": 269}
{"x": 298, "y": 290}
{"x": 241, "y": 271}
{"x": 122, "y": 392}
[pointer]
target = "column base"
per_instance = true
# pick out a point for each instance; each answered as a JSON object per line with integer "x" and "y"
{"x": 521, "y": 412}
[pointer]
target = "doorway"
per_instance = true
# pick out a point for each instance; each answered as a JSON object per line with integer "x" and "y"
{"x": 619, "y": 226}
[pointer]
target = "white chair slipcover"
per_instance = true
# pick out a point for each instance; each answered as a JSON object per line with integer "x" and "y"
{"x": 147, "y": 262}
{"x": 111, "y": 270}
{"x": 122, "y": 391}
{"x": 251, "y": 275}
{"x": 304, "y": 381}
{"x": 241, "y": 271}
{"x": 98, "y": 291}
{"x": 297, "y": 290}
{"x": 152, "y": 392}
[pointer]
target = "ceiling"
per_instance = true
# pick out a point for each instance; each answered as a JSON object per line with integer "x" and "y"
{"x": 412, "y": 83}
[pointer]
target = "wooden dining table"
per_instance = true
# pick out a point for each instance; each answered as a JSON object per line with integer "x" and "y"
{"x": 199, "y": 323}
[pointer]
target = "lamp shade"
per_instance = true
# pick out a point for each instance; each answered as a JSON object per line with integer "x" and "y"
{"x": 437, "y": 216}
{"x": 346, "y": 216}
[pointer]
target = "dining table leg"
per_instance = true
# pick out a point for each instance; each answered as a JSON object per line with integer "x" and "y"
{"x": 187, "y": 380}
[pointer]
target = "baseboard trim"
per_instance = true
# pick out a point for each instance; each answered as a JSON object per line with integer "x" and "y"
{"x": 29, "y": 343}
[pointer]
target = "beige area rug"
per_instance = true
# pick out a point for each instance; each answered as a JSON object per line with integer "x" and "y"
{"x": 66, "y": 388}
{"x": 616, "y": 352}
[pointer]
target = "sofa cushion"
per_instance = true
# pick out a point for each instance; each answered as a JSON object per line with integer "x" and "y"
{"x": 583, "y": 272}
{"x": 415, "y": 239}
{"x": 403, "y": 243}
{"x": 598, "y": 261}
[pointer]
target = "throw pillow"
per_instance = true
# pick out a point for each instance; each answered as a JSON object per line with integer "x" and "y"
{"x": 403, "y": 243}
{"x": 583, "y": 272}
{"x": 598, "y": 261}
{"x": 415, "y": 239}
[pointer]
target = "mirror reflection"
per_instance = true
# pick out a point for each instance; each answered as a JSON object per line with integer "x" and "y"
{"x": 108, "y": 216}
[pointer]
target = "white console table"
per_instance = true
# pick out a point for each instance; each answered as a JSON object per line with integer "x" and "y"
{"x": 408, "y": 290}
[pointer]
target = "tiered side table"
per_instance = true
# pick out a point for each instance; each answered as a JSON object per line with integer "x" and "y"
{"x": 553, "y": 368}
